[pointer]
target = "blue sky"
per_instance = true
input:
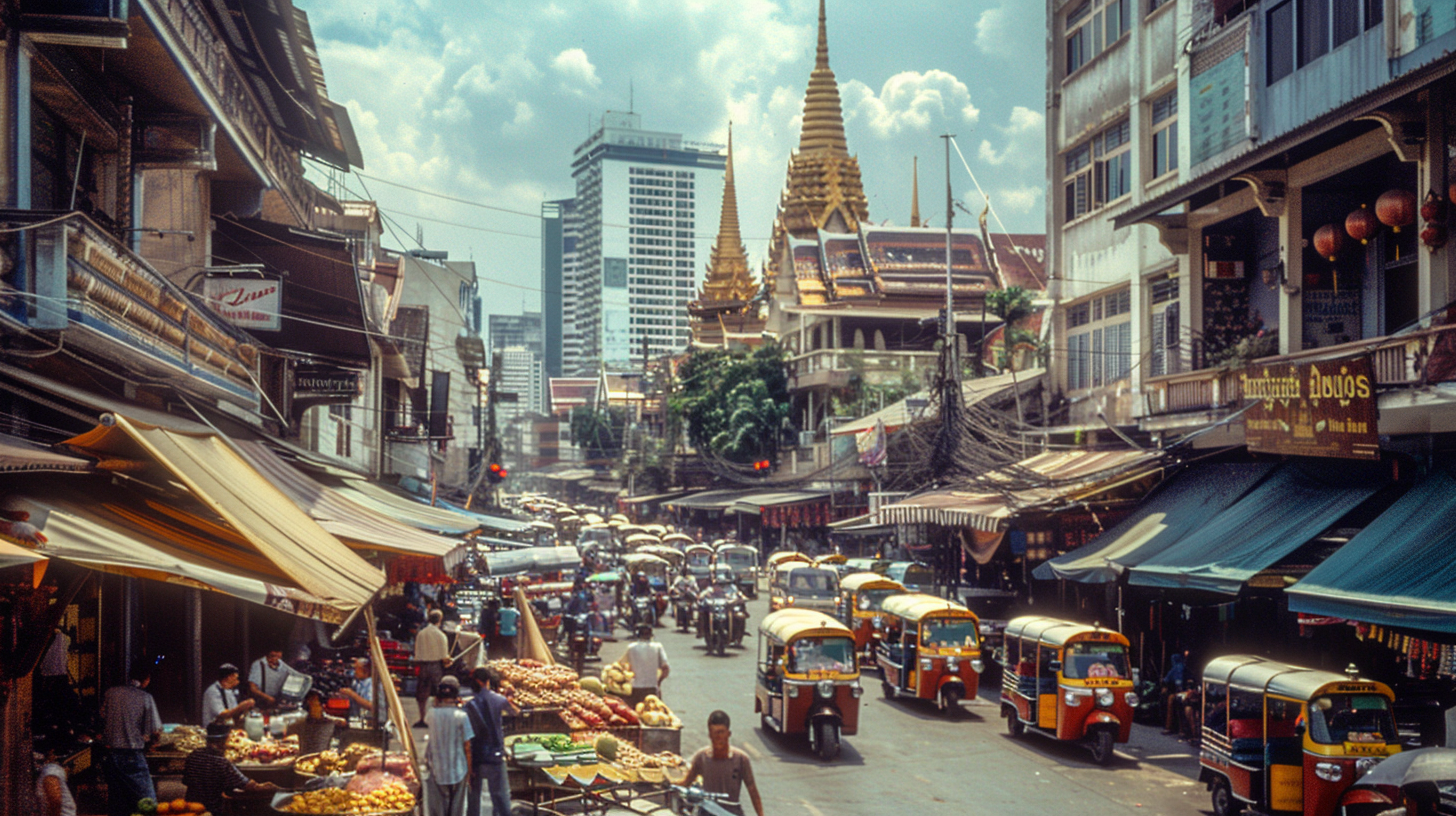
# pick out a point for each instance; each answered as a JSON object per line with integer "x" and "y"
{"x": 484, "y": 100}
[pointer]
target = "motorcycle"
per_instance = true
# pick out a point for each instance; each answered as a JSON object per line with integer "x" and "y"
{"x": 643, "y": 610}
{"x": 717, "y": 625}
{"x": 682, "y": 611}
{"x": 578, "y": 646}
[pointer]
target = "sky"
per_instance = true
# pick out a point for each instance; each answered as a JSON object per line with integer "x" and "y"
{"x": 481, "y": 103}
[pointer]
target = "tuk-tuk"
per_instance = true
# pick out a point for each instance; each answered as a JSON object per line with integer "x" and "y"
{"x": 743, "y": 560}
{"x": 878, "y": 565}
{"x": 1286, "y": 738}
{"x": 698, "y": 561}
{"x": 1069, "y": 681}
{"x": 656, "y": 569}
{"x": 804, "y": 586}
{"x": 931, "y": 650}
{"x": 860, "y": 596}
{"x": 834, "y": 561}
{"x": 666, "y": 553}
{"x": 807, "y": 678}
{"x": 914, "y": 575}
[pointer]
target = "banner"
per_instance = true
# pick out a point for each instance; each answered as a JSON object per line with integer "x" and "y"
{"x": 1312, "y": 409}
{"x": 248, "y": 303}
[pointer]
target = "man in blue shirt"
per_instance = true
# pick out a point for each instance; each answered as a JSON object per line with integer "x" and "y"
{"x": 447, "y": 753}
{"x": 487, "y": 749}
{"x": 507, "y": 618}
{"x": 360, "y": 691}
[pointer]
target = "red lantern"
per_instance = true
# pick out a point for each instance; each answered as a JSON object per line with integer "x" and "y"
{"x": 1434, "y": 207}
{"x": 1434, "y": 235}
{"x": 1362, "y": 224}
{"x": 1328, "y": 240}
{"x": 1396, "y": 209}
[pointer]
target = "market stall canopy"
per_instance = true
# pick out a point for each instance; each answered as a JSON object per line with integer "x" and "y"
{"x": 14, "y": 555}
{"x": 1399, "y": 570}
{"x": 215, "y": 474}
{"x": 358, "y": 526}
{"x": 23, "y": 456}
{"x": 712, "y": 499}
{"x": 1179, "y": 506}
{"x": 504, "y": 543}
{"x": 1042, "y": 481}
{"x": 534, "y": 560}
{"x": 654, "y": 498}
{"x": 1284, "y": 512}
{"x": 919, "y": 407}
{"x": 497, "y": 524}
{"x": 754, "y": 503}
{"x": 101, "y": 527}
{"x": 399, "y": 506}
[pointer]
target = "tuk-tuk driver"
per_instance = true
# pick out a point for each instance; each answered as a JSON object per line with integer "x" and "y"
{"x": 724, "y": 770}
{"x": 640, "y": 585}
{"x": 685, "y": 586}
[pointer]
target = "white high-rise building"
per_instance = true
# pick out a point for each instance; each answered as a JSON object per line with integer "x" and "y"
{"x": 648, "y": 203}
{"x": 523, "y": 373}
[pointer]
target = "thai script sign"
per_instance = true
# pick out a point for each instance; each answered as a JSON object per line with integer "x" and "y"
{"x": 1312, "y": 409}
{"x": 319, "y": 381}
{"x": 248, "y": 303}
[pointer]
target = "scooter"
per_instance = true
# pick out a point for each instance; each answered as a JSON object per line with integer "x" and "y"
{"x": 717, "y": 625}
{"x": 682, "y": 611}
{"x": 578, "y": 640}
{"x": 643, "y": 610}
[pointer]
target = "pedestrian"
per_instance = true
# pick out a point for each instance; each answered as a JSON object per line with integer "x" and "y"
{"x": 208, "y": 773}
{"x": 487, "y": 749}
{"x": 431, "y": 655}
{"x": 447, "y": 752}
{"x": 266, "y": 678}
{"x": 220, "y": 700}
{"x": 131, "y": 724}
{"x": 1172, "y": 687}
{"x": 725, "y": 770}
{"x": 507, "y": 619}
{"x": 51, "y": 790}
{"x": 647, "y": 661}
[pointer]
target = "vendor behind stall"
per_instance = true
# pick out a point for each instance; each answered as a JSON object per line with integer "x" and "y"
{"x": 209, "y": 774}
{"x": 220, "y": 700}
{"x": 266, "y": 677}
{"x": 316, "y": 730}
{"x": 360, "y": 691}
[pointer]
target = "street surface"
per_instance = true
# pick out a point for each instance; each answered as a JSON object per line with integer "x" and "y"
{"x": 908, "y": 758}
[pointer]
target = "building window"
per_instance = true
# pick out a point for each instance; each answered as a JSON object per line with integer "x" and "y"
{"x": 1281, "y": 41}
{"x": 1165, "y": 133}
{"x": 1374, "y": 13}
{"x": 1301, "y": 31}
{"x": 1100, "y": 352}
{"x": 1092, "y": 27}
{"x": 1163, "y": 297}
{"x": 1314, "y": 30}
{"x": 1154, "y": 5}
{"x": 1346, "y": 18}
{"x": 1098, "y": 172}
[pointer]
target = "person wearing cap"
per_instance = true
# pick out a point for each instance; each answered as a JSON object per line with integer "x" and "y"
{"x": 647, "y": 661}
{"x": 447, "y": 752}
{"x": 209, "y": 774}
{"x": 220, "y": 700}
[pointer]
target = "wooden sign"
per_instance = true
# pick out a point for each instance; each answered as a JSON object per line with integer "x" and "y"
{"x": 1312, "y": 409}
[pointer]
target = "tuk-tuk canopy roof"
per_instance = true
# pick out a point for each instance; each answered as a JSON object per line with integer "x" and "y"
{"x": 858, "y": 581}
{"x": 1055, "y": 632}
{"x": 735, "y": 546}
{"x": 661, "y": 551}
{"x": 914, "y": 605}
{"x": 1254, "y": 673}
{"x": 836, "y": 558}
{"x": 677, "y": 537}
{"x": 790, "y": 624}
{"x": 642, "y": 559}
{"x": 774, "y": 559}
{"x": 643, "y": 538}
{"x": 789, "y": 566}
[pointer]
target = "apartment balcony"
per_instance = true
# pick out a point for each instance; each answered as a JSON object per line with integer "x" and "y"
{"x": 832, "y": 368}
{"x": 68, "y": 284}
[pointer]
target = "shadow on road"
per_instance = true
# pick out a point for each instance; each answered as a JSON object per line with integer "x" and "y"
{"x": 927, "y": 710}
{"x": 794, "y": 749}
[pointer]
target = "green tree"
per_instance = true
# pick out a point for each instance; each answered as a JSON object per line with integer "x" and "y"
{"x": 599, "y": 433}
{"x": 1013, "y": 305}
{"x": 734, "y": 405}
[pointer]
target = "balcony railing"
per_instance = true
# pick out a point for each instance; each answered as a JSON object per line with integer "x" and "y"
{"x": 870, "y": 362}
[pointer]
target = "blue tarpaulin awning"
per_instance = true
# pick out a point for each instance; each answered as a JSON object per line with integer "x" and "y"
{"x": 499, "y": 524}
{"x": 1176, "y": 509}
{"x": 1399, "y": 570}
{"x": 1284, "y": 512}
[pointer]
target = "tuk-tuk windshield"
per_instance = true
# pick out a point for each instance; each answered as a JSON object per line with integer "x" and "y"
{"x": 871, "y": 600}
{"x": 1086, "y": 660}
{"x": 948, "y": 633}
{"x": 813, "y": 583}
{"x": 1341, "y": 718}
{"x": 814, "y": 654}
{"x": 699, "y": 558}
{"x": 738, "y": 560}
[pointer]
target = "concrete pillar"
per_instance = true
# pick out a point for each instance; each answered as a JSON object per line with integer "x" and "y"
{"x": 1435, "y": 272}
{"x": 1291, "y": 250}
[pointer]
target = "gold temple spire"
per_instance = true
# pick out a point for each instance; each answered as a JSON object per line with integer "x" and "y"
{"x": 729, "y": 277}
{"x": 823, "y": 126}
{"x": 915, "y": 192}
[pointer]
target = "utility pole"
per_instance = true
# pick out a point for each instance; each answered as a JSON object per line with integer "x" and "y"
{"x": 950, "y": 324}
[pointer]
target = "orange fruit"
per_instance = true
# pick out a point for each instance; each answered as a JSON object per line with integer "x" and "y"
{"x": 179, "y": 805}
{"x": 164, "y": 808}
{"x": 196, "y": 807}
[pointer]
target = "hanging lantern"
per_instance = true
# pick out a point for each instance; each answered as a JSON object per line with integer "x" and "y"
{"x": 1434, "y": 235}
{"x": 1434, "y": 207}
{"x": 1362, "y": 225}
{"x": 1396, "y": 209}
{"x": 1328, "y": 240}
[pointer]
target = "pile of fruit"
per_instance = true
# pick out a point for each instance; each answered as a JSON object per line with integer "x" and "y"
{"x": 392, "y": 798}
{"x": 242, "y": 750}
{"x": 184, "y": 738}
{"x": 327, "y": 762}
{"x": 628, "y": 755}
{"x": 617, "y": 680}
{"x": 583, "y": 709}
{"x": 173, "y": 807}
{"x": 655, "y": 713}
{"x": 531, "y": 684}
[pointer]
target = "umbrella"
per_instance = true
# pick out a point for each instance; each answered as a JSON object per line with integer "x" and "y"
{"x": 1407, "y": 767}
{"x": 604, "y": 577}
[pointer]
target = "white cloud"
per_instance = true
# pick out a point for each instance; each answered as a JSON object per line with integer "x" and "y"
{"x": 1003, "y": 32}
{"x": 1025, "y": 138}
{"x": 909, "y": 100}
{"x": 574, "y": 65}
{"x": 1019, "y": 200}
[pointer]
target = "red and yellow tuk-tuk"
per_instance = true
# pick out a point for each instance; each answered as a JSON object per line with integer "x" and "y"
{"x": 1069, "y": 681}
{"x": 1289, "y": 739}
{"x": 860, "y": 596}
{"x": 931, "y": 650}
{"x": 807, "y": 678}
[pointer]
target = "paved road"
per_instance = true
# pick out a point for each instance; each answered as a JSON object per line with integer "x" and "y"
{"x": 907, "y": 758}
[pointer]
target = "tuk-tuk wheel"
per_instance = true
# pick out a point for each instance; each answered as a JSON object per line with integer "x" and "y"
{"x": 1224, "y": 803}
{"x": 1014, "y": 725}
{"x": 1102, "y": 746}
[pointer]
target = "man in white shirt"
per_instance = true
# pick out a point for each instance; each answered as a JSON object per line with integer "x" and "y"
{"x": 432, "y": 655}
{"x": 647, "y": 661}
{"x": 266, "y": 677}
{"x": 220, "y": 700}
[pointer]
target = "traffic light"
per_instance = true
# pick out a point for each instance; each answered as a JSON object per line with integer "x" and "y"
{"x": 496, "y": 473}
{"x": 762, "y": 465}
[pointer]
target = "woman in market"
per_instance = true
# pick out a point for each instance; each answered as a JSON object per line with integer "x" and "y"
{"x": 315, "y": 731}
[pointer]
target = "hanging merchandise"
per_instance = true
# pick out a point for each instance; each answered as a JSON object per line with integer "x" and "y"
{"x": 1433, "y": 210}
{"x": 1362, "y": 225}
{"x": 1396, "y": 209}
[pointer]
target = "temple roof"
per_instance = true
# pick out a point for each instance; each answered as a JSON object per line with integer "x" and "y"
{"x": 890, "y": 266}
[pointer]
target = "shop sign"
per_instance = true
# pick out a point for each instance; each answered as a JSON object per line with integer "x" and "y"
{"x": 323, "y": 382}
{"x": 248, "y": 303}
{"x": 1312, "y": 409}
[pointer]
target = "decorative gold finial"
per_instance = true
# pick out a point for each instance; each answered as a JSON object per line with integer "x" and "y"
{"x": 823, "y": 127}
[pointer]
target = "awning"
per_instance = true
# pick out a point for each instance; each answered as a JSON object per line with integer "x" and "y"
{"x": 1064, "y": 476}
{"x": 1284, "y": 512}
{"x": 498, "y": 524}
{"x": 656, "y": 497}
{"x": 534, "y": 560}
{"x": 400, "y": 507}
{"x": 1399, "y": 570}
{"x": 262, "y": 515}
{"x": 754, "y": 503}
{"x": 1178, "y": 507}
{"x": 92, "y": 525}
{"x": 860, "y": 525}
{"x": 712, "y": 499}
{"x": 21, "y": 455}
{"x": 899, "y": 414}
{"x": 357, "y": 525}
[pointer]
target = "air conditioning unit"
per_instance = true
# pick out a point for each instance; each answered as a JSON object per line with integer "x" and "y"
{"x": 806, "y": 438}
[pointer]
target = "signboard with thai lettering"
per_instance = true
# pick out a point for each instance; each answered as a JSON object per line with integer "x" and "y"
{"x": 1312, "y": 409}
{"x": 322, "y": 382}
{"x": 248, "y": 303}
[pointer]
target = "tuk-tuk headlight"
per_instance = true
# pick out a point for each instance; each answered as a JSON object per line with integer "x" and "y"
{"x": 1329, "y": 771}
{"x": 825, "y": 688}
{"x": 1131, "y": 698}
{"x": 926, "y": 664}
{"x": 856, "y": 690}
{"x": 978, "y": 665}
{"x": 1104, "y": 697}
{"x": 793, "y": 691}
{"x": 1072, "y": 698}
{"x": 952, "y": 665}
{"x": 879, "y": 623}
{"x": 1365, "y": 765}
